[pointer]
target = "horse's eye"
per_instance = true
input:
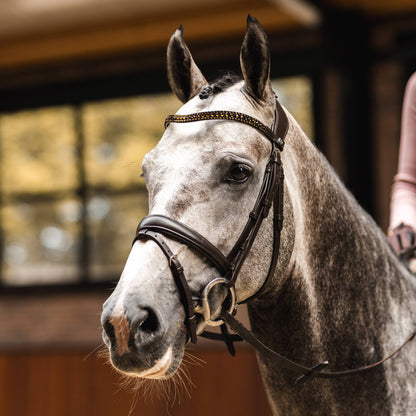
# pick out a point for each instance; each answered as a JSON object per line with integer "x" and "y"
{"x": 238, "y": 173}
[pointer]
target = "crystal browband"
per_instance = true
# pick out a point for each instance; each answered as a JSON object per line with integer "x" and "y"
{"x": 227, "y": 115}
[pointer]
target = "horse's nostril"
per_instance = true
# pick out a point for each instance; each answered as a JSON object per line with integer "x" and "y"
{"x": 108, "y": 331}
{"x": 137, "y": 328}
{"x": 150, "y": 323}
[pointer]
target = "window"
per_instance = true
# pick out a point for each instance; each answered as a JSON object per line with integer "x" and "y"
{"x": 70, "y": 191}
{"x": 71, "y": 195}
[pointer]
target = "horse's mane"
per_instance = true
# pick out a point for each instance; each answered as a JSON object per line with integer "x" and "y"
{"x": 220, "y": 84}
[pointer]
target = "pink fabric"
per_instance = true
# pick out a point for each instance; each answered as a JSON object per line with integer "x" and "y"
{"x": 403, "y": 196}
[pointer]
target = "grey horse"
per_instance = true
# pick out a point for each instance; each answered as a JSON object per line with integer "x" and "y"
{"x": 338, "y": 292}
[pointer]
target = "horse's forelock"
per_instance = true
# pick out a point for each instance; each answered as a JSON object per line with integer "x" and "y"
{"x": 220, "y": 84}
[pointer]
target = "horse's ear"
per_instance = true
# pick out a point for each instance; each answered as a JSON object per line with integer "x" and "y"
{"x": 185, "y": 78}
{"x": 255, "y": 60}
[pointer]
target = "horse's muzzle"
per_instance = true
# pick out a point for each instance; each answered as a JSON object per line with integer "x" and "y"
{"x": 132, "y": 338}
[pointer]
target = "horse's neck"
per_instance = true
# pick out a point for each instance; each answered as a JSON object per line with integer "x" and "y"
{"x": 344, "y": 298}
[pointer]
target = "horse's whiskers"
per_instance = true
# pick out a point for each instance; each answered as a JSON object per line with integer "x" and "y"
{"x": 134, "y": 401}
{"x": 100, "y": 351}
{"x": 172, "y": 390}
{"x": 192, "y": 359}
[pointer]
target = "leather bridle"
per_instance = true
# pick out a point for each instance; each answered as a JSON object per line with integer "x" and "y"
{"x": 155, "y": 227}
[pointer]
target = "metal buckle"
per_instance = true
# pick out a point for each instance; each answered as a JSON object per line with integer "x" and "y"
{"x": 171, "y": 259}
{"x": 204, "y": 308}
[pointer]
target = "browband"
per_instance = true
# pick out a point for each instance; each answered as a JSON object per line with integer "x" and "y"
{"x": 277, "y": 137}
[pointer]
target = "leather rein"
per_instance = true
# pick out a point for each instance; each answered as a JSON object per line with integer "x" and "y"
{"x": 155, "y": 227}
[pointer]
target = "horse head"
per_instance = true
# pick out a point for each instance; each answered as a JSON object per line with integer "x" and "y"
{"x": 206, "y": 176}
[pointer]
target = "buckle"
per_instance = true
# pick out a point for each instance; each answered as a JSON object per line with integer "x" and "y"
{"x": 204, "y": 308}
{"x": 172, "y": 258}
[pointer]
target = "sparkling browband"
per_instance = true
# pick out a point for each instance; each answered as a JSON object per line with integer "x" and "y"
{"x": 227, "y": 115}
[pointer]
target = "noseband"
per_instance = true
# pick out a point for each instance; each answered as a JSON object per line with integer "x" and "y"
{"x": 154, "y": 227}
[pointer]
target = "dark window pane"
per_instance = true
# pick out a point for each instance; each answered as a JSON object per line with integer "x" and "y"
{"x": 41, "y": 242}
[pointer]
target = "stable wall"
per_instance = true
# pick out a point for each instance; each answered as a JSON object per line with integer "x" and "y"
{"x": 52, "y": 383}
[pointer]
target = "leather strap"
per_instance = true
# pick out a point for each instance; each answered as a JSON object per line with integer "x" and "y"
{"x": 271, "y": 192}
{"x": 304, "y": 372}
{"x": 280, "y": 125}
{"x": 178, "y": 276}
{"x": 278, "y": 184}
{"x": 186, "y": 235}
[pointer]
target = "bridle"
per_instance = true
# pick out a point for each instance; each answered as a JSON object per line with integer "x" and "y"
{"x": 155, "y": 227}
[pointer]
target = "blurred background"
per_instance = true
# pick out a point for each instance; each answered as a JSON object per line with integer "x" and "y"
{"x": 83, "y": 96}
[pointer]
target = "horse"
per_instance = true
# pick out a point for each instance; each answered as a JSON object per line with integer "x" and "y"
{"x": 332, "y": 293}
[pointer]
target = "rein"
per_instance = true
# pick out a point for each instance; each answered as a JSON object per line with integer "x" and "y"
{"x": 305, "y": 372}
{"x": 154, "y": 227}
